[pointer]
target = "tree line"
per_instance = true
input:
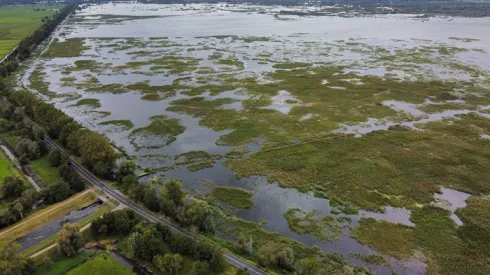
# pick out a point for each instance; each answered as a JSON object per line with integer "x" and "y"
{"x": 147, "y": 243}
{"x": 93, "y": 149}
{"x": 28, "y": 144}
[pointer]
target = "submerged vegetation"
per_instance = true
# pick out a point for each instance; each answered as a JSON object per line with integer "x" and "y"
{"x": 323, "y": 227}
{"x": 366, "y": 125}
{"x": 92, "y": 102}
{"x": 125, "y": 124}
{"x": 162, "y": 128}
{"x": 196, "y": 160}
{"x": 237, "y": 197}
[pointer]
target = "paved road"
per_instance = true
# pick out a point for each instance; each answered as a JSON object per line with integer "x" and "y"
{"x": 230, "y": 258}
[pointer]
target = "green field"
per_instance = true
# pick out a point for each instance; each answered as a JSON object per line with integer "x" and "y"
{"x": 6, "y": 167}
{"x": 18, "y": 22}
{"x": 62, "y": 265}
{"x": 48, "y": 173}
{"x": 101, "y": 264}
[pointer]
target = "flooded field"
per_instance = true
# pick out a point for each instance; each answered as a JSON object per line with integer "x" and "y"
{"x": 328, "y": 120}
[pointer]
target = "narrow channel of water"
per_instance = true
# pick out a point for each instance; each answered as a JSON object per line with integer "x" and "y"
{"x": 50, "y": 229}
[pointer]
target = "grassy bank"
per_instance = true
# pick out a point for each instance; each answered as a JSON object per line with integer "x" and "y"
{"x": 101, "y": 264}
{"x": 7, "y": 168}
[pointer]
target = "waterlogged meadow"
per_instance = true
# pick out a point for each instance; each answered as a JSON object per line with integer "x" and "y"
{"x": 350, "y": 133}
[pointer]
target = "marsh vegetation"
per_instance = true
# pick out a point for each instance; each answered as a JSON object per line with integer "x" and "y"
{"x": 362, "y": 120}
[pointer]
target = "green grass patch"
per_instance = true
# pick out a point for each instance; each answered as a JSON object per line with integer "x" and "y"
{"x": 49, "y": 174}
{"x": 71, "y": 47}
{"x": 108, "y": 88}
{"x": 125, "y": 124}
{"x": 237, "y": 197}
{"x": 151, "y": 97}
{"x": 290, "y": 65}
{"x": 7, "y": 168}
{"x": 20, "y": 21}
{"x": 92, "y": 102}
{"x": 393, "y": 239}
{"x": 101, "y": 264}
{"x": 476, "y": 222}
{"x": 62, "y": 265}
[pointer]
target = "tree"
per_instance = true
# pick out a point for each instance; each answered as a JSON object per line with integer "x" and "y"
{"x": 28, "y": 198}
{"x": 56, "y": 192}
{"x": 54, "y": 158}
{"x": 133, "y": 243}
{"x": 285, "y": 258}
{"x": 164, "y": 231}
{"x": 181, "y": 244}
{"x": 151, "y": 244}
{"x": 67, "y": 129}
{"x": 28, "y": 148}
{"x": 276, "y": 254}
{"x": 206, "y": 251}
{"x": 94, "y": 150}
{"x": 146, "y": 193}
{"x": 69, "y": 239}
{"x": 117, "y": 222}
{"x": 196, "y": 212}
{"x": 245, "y": 244}
{"x": 172, "y": 191}
{"x": 19, "y": 207}
{"x": 168, "y": 263}
{"x": 307, "y": 266}
{"x": 243, "y": 271}
{"x": 126, "y": 168}
{"x": 200, "y": 268}
{"x": 129, "y": 182}
{"x": 4, "y": 125}
{"x": 145, "y": 245}
{"x": 11, "y": 261}
{"x": 12, "y": 187}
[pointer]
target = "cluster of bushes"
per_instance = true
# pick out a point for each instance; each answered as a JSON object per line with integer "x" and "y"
{"x": 94, "y": 150}
{"x": 27, "y": 44}
{"x": 28, "y": 144}
{"x": 21, "y": 199}
{"x": 119, "y": 222}
{"x": 172, "y": 201}
{"x": 147, "y": 243}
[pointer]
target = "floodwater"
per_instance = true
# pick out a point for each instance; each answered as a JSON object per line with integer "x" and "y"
{"x": 48, "y": 230}
{"x": 451, "y": 200}
{"x": 192, "y": 31}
